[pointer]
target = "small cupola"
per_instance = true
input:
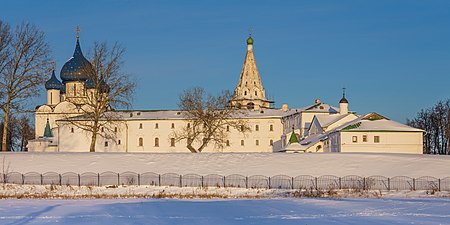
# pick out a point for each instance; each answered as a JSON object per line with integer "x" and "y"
{"x": 343, "y": 104}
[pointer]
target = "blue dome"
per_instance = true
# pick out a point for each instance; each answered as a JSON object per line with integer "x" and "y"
{"x": 104, "y": 87}
{"x": 77, "y": 68}
{"x": 53, "y": 82}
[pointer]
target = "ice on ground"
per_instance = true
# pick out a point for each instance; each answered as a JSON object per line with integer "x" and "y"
{"x": 278, "y": 211}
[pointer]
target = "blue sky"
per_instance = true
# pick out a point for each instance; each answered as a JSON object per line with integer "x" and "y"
{"x": 392, "y": 56}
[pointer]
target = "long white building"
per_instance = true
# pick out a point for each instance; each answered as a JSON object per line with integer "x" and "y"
{"x": 318, "y": 127}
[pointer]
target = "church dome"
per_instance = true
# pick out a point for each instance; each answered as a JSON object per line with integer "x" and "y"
{"x": 53, "y": 82}
{"x": 250, "y": 41}
{"x": 343, "y": 100}
{"x": 77, "y": 68}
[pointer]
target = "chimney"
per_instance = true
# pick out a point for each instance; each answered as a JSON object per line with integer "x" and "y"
{"x": 317, "y": 101}
{"x": 284, "y": 107}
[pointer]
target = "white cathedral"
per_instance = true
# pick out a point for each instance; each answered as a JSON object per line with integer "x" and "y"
{"x": 318, "y": 127}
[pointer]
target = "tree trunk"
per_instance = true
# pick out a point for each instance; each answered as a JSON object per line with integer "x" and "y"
{"x": 93, "y": 141}
{"x": 5, "y": 126}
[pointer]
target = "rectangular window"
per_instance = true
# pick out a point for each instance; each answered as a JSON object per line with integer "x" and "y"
{"x": 106, "y": 144}
{"x": 257, "y": 128}
{"x": 173, "y": 126}
{"x": 228, "y": 142}
{"x": 364, "y": 138}
{"x": 271, "y": 127}
{"x": 118, "y": 142}
{"x": 172, "y": 142}
{"x": 141, "y": 141}
{"x": 140, "y": 126}
{"x": 242, "y": 142}
{"x": 376, "y": 139}
{"x": 354, "y": 139}
{"x": 228, "y": 128}
{"x": 257, "y": 142}
{"x": 271, "y": 143}
{"x": 156, "y": 126}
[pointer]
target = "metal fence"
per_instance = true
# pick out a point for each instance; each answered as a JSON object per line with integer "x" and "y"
{"x": 325, "y": 182}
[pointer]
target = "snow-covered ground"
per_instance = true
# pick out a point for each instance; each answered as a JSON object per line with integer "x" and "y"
{"x": 268, "y": 164}
{"x": 217, "y": 212}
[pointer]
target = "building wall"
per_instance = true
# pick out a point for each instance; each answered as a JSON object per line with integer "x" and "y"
{"x": 389, "y": 142}
{"x": 129, "y": 132}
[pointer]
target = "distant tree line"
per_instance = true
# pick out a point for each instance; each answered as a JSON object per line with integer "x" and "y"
{"x": 435, "y": 122}
{"x": 19, "y": 132}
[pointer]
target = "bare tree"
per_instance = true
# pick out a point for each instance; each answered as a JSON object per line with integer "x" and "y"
{"x": 107, "y": 88}
{"x": 436, "y": 123}
{"x": 24, "y": 59}
{"x": 209, "y": 119}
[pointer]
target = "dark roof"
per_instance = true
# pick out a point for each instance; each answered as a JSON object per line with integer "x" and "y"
{"x": 77, "y": 68}
{"x": 53, "y": 82}
{"x": 343, "y": 100}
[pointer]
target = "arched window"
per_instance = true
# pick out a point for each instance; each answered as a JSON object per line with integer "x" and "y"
{"x": 140, "y": 126}
{"x": 115, "y": 129}
{"x": 271, "y": 142}
{"x": 256, "y": 127}
{"x": 118, "y": 142}
{"x": 71, "y": 130}
{"x": 156, "y": 142}
{"x": 106, "y": 144}
{"x": 172, "y": 142}
{"x": 141, "y": 141}
{"x": 251, "y": 105}
{"x": 173, "y": 126}
{"x": 245, "y": 92}
{"x": 271, "y": 127}
{"x": 256, "y": 93}
{"x": 156, "y": 126}
{"x": 228, "y": 128}
{"x": 189, "y": 125}
{"x": 228, "y": 142}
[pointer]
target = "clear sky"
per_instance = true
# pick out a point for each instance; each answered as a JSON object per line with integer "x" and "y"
{"x": 393, "y": 56}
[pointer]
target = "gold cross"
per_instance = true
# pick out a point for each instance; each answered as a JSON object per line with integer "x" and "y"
{"x": 53, "y": 65}
{"x": 250, "y": 31}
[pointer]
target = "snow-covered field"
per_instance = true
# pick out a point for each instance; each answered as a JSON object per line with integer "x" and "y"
{"x": 268, "y": 164}
{"x": 217, "y": 212}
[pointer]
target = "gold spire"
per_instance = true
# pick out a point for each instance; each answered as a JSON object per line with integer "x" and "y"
{"x": 53, "y": 65}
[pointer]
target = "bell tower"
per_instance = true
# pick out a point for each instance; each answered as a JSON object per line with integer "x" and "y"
{"x": 250, "y": 92}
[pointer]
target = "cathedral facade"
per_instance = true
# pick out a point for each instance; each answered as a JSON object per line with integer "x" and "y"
{"x": 271, "y": 129}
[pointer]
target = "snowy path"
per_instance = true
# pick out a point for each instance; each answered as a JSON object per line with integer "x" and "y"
{"x": 278, "y": 211}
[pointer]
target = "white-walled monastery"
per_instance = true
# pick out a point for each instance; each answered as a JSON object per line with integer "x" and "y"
{"x": 318, "y": 127}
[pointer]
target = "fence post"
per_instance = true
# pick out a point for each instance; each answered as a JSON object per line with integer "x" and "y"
{"x": 246, "y": 182}
{"x": 60, "y": 179}
{"x": 389, "y": 184}
{"x": 42, "y": 179}
{"x": 292, "y": 182}
{"x": 79, "y": 180}
{"x": 118, "y": 179}
{"x": 98, "y": 179}
{"x": 181, "y": 180}
{"x": 224, "y": 181}
{"x": 414, "y": 184}
{"x": 269, "y": 182}
{"x": 159, "y": 179}
{"x": 203, "y": 185}
{"x": 364, "y": 183}
{"x": 340, "y": 183}
{"x": 23, "y": 178}
{"x": 439, "y": 184}
{"x": 139, "y": 179}
{"x": 315, "y": 181}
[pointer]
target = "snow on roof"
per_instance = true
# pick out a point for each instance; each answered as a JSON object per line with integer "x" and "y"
{"x": 321, "y": 107}
{"x": 362, "y": 123}
{"x": 326, "y": 120}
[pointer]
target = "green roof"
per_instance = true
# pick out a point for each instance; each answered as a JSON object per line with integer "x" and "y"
{"x": 48, "y": 130}
{"x": 293, "y": 138}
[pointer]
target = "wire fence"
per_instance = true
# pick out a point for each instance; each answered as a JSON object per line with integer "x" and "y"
{"x": 325, "y": 182}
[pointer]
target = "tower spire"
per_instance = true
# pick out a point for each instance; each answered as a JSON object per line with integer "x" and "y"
{"x": 77, "y": 31}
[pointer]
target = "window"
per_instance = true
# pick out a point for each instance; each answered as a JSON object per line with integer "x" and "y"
{"x": 189, "y": 125}
{"x": 102, "y": 129}
{"x": 257, "y": 142}
{"x": 376, "y": 139}
{"x": 172, "y": 142}
{"x": 141, "y": 142}
{"x": 156, "y": 125}
{"x": 106, "y": 144}
{"x": 156, "y": 142}
{"x": 242, "y": 128}
{"x": 271, "y": 142}
{"x": 71, "y": 130}
{"x": 131, "y": 114}
{"x": 364, "y": 138}
{"x": 228, "y": 142}
{"x": 115, "y": 129}
{"x": 242, "y": 142}
{"x": 140, "y": 126}
{"x": 228, "y": 128}
{"x": 74, "y": 89}
{"x": 173, "y": 126}
{"x": 354, "y": 139}
{"x": 257, "y": 128}
{"x": 51, "y": 98}
{"x": 118, "y": 142}
{"x": 139, "y": 113}
{"x": 256, "y": 93}
{"x": 245, "y": 92}
{"x": 271, "y": 127}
